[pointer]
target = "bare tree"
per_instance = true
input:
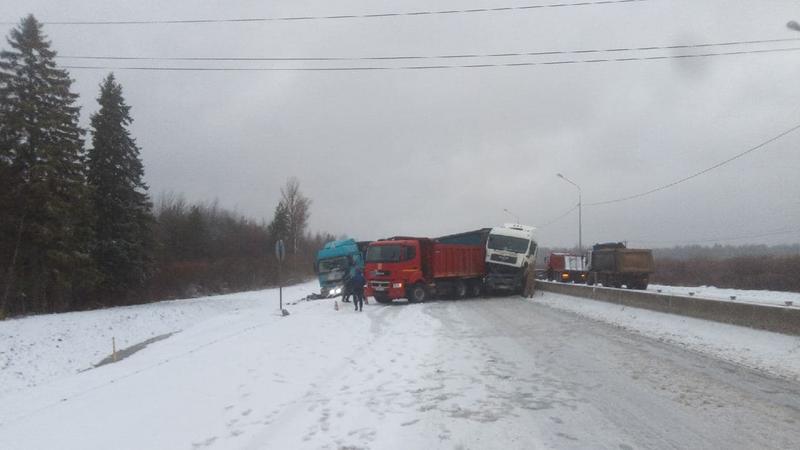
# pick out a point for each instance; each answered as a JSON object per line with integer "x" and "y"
{"x": 297, "y": 210}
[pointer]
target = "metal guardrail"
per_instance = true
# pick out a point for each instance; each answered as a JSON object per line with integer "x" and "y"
{"x": 765, "y": 317}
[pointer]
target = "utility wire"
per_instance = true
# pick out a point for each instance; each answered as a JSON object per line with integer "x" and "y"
{"x": 697, "y": 174}
{"x": 733, "y": 238}
{"x": 340, "y": 16}
{"x": 428, "y": 67}
{"x": 418, "y": 57}
{"x": 552, "y": 221}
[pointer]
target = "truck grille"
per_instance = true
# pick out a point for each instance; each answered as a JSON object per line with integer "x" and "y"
{"x": 378, "y": 283}
{"x": 380, "y": 273}
{"x": 504, "y": 259}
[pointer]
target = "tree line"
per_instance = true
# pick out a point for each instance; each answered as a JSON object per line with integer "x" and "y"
{"x": 77, "y": 226}
{"x": 205, "y": 249}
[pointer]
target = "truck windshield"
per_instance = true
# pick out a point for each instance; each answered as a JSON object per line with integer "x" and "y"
{"x": 507, "y": 243}
{"x": 389, "y": 253}
{"x": 328, "y": 265}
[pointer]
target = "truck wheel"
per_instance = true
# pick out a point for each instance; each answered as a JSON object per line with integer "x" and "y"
{"x": 461, "y": 289}
{"x": 417, "y": 293}
{"x": 591, "y": 279}
{"x": 382, "y": 298}
{"x": 475, "y": 289}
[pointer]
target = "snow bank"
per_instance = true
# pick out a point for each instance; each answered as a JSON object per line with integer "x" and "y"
{"x": 774, "y": 353}
{"x": 742, "y": 296}
{"x": 35, "y": 350}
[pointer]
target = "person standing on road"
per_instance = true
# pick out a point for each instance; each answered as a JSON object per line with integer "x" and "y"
{"x": 346, "y": 291}
{"x": 357, "y": 289}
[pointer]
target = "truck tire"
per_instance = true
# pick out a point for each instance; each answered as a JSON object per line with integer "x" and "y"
{"x": 417, "y": 293}
{"x": 591, "y": 279}
{"x": 382, "y": 298}
{"x": 475, "y": 289}
{"x": 461, "y": 289}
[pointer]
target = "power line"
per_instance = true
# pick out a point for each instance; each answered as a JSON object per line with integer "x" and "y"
{"x": 730, "y": 238}
{"x": 697, "y": 174}
{"x": 552, "y": 221}
{"x": 340, "y": 16}
{"x": 428, "y": 67}
{"x": 440, "y": 56}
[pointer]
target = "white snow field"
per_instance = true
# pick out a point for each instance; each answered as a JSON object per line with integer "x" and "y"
{"x": 493, "y": 373}
{"x": 741, "y": 295}
{"x": 38, "y": 349}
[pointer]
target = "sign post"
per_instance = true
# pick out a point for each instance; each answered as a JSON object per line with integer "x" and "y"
{"x": 280, "y": 254}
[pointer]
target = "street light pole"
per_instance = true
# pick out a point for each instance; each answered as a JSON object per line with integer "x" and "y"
{"x": 580, "y": 213}
{"x": 516, "y": 217}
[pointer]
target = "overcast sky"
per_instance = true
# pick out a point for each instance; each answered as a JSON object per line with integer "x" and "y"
{"x": 431, "y": 152}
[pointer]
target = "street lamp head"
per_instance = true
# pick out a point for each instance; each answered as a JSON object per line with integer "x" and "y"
{"x": 516, "y": 217}
{"x": 793, "y": 25}
{"x": 559, "y": 175}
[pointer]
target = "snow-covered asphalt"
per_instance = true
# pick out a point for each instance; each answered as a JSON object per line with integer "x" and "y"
{"x": 483, "y": 373}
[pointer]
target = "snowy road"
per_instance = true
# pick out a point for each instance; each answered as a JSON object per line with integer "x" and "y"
{"x": 489, "y": 373}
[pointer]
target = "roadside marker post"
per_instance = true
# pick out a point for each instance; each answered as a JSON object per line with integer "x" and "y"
{"x": 280, "y": 255}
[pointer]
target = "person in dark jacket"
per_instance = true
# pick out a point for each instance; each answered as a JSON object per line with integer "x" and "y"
{"x": 346, "y": 291}
{"x": 357, "y": 289}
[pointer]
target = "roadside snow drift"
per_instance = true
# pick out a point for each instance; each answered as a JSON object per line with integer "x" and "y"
{"x": 739, "y": 295}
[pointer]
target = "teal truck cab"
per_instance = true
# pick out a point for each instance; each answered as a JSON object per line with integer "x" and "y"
{"x": 336, "y": 263}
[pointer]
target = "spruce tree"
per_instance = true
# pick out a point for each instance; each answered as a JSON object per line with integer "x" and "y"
{"x": 297, "y": 208}
{"x": 279, "y": 227}
{"x": 44, "y": 227}
{"x": 123, "y": 211}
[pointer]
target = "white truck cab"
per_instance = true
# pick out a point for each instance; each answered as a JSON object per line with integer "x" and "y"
{"x": 510, "y": 255}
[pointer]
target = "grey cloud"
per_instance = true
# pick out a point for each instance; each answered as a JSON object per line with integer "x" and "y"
{"x": 433, "y": 152}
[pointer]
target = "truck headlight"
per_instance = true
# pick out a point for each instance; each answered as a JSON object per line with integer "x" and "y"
{"x": 397, "y": 285}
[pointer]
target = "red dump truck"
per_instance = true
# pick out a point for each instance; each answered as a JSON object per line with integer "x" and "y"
{"x": 566, "y": 267}
{"x": 421, "y": 268}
